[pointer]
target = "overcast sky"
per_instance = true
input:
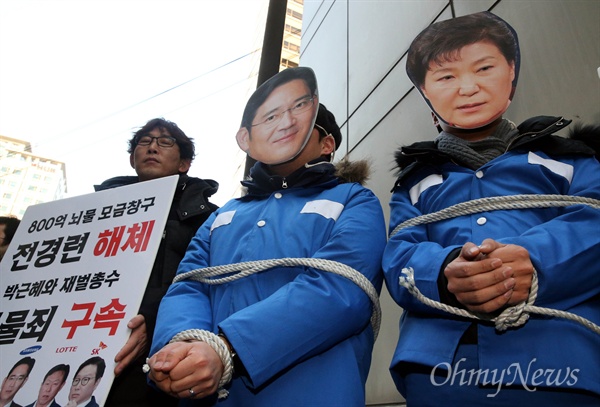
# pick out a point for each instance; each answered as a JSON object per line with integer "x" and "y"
{"x": 77, "y": 77}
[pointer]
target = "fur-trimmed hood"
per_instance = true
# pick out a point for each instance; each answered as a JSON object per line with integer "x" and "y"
{"x": 536, "y": 133}
{"x": 353, "y": 171}
{"x": 588, "y": 134}
{"x": 319, "y": 172}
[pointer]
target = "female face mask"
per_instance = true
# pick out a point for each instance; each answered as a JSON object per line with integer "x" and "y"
{"x": 466, "y": 69}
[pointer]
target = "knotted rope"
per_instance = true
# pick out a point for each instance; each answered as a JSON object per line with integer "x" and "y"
{"x": 244, "y": 269}
{"x": 219, "y": 346}
{"x": 206, "y": 275}
{"x": 512, "y": 316}
{"x": 509, "y": 318}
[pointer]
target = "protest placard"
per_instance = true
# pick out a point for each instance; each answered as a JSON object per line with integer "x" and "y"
{"x": 73, "y": 276}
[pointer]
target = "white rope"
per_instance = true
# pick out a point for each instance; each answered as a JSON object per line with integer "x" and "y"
{"x": 512, "y": 316}
{"x": 244, "y": 269}
{"x": 509, "y": 318}
{"x": 498, "y": 203}
{"x": 219, "y": 346}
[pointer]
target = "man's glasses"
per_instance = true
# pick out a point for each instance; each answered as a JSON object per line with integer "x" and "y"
{"x": 162, "y": 141}
{"x": 301, "y": 106}
{"x": 84, "y": 380}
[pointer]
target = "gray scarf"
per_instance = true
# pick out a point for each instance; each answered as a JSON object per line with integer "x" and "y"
{"x": 474, "y": 154}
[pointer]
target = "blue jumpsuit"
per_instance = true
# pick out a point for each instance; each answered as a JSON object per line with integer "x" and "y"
{"x": 303, "y": 335}
{"x": 563, "y": 243}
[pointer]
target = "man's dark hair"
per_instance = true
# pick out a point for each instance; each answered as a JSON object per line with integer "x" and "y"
{"x": 441, "y": 42}
{"x": 25, "y": 361}
{"x": 186, "y": 144}
{"x": 12, "y": 224}
{"x": 264, "y": 91}
{"x": 95, "y": 360}
{"x": 59, "y": 368}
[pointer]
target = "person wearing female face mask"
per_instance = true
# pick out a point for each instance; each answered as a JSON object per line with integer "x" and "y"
{"x": 466, "y": 69}
{"x": 282, "y": 325}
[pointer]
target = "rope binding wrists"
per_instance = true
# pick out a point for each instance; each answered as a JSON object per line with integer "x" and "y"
{"x": 218, "y": 345}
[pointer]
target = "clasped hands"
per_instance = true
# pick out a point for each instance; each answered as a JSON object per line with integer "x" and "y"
{"x": 490, "y": 276}
{"x": 190, "y": 369}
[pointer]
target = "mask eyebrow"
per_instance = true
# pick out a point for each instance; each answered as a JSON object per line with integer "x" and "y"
{"x": 485, "y": 59}
{"x": 441, "y": 65}
{"x": 440, "y": 70}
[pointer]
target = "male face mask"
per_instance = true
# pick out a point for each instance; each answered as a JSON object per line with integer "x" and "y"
{"x": 280, "y": 116}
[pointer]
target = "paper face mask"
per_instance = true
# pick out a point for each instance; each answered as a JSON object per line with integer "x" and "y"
{"x": 466, "y": 68}
{"x": 279, "y": 117}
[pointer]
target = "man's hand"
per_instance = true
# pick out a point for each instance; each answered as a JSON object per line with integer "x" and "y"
{"x": 181, "y": 366}
{"x": 488, "y": 277}
{"x": 480, "y": 282}
{"x": 518, "y": 260}
{"x": 135, "y": 346}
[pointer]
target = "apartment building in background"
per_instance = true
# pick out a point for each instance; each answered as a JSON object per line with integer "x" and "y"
{"x": 26, "y": 178}
{"x": 290, "y": 48}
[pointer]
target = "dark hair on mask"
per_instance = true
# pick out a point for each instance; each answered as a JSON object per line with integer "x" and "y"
{"x": 95, "y": 360}
{"x": 442, "y": 41}
{"x": 30, "y": 362}
{"x": 185, "y": 143}
{"x": 264, "y": 91}
{"x": 59, "y": 368}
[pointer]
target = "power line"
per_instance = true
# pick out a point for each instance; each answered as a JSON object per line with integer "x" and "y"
{"x": 99, "y": 140}
{"x": 153, "y": 97}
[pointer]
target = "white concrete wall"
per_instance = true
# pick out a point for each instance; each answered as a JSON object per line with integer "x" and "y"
{"x": 358, "y": 48}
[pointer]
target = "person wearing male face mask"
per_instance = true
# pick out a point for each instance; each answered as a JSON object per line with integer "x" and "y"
{"x": 484, "y": 262}
{"x": 282, "y": 325}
